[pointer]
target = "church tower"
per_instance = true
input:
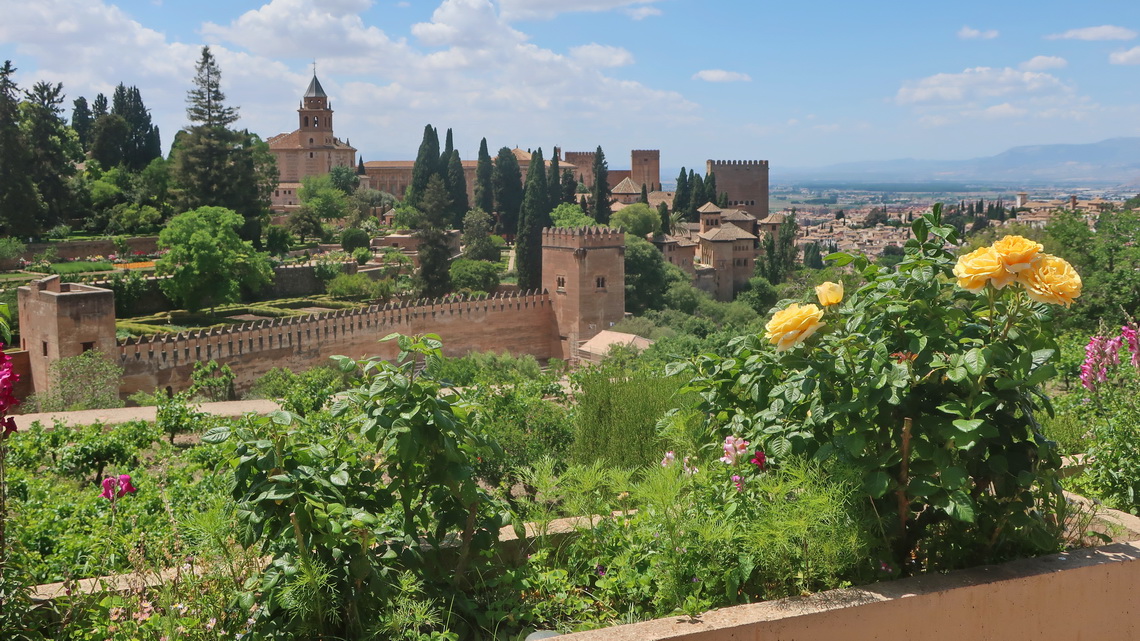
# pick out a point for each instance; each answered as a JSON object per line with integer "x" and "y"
{"x": 315, "y": 116}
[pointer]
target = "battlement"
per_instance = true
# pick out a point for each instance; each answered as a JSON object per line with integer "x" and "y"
{"x": 590, "y": 237}
{"x": 737, "y": 163}
{"x": 651, "y": 152}
{"x": 296, "y": 332}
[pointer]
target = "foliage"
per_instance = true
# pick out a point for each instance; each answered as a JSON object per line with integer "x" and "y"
{"x": 618, "y": 409}
{"x": 570, "y": 216}
{"x": 352, "y": 239}
{"x": 341, "y": 523}
{"x": 277, "y": 240}
{"x": 758, "y": 294}
{"x": 533, "y": 218}
{"x": 175, "y": 416}
{"x": 362, "y": 255}
{"x": 930, "y": 391}
{"x": 21, "y": 205}
{"x": 1107, "y": 257}
{"x": 303, "y": 393}
{"x": 11, "y": 248}
{"x": 205, "y": 103}
{"x": 507, "y": 184}
{"x": 475, "y": 276}
{"x": 212, "y": 381}
{"x": 207, "y": 261}
{"x": 484, "y": 189}
{"x": 358, "y": 287}
{"x": 647, "y": 275}
{"x": 779, "y": 257}
{"x": 600, "y": 192}
{"x": 477, "y": 243}
{"x": 637, "y": 219}
{"x": 88, "y": 381}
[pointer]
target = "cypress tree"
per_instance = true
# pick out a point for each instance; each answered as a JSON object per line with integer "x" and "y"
{"x": 360, "y": 167}
{"x": 711, "y": 193}
{"x": 697, "y": 197}
{"x": 99, "y": 107}
{"x": 427, "y": 165}
{"x": 445, "y": 156}
{"x": 81, "y": 121}
{"x": 723, "y": 202}
{"x": 535, "y": 215}
{"x": 644, "y": 196}
{"x": 457, "y": 190}
{"x": 601, "y": 190}
{"x": 663, "y": 212}
{"x": 506, "y": 178}
{"x": 569, "y": 187}
{"x": 141, "y": 144}
{"x": 681, "y": 194}
{"x": 434, "y": 277}
{"x": 484, "y": 169}
{"x": 554, "y": 180}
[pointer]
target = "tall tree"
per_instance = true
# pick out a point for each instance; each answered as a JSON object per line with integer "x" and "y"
{"x": 554, "y": 180}
{"x": 535, "y": 215}
{"x": 477, "y": 243}
{"x": 601, "y": 190}
{"x": 484, "y": 191}
{"x": 217, "y": 166}
{"x": 360, "y": 167}
{"x": 445, "y": 156}
{"x": 54, "y": 150}
{"x": 506, "y": 179}
{"x": 711, "y": 193}
{"x": 99, "y": 106}
{"x": 81, "y": 121}
{"x": 644, "y": 199}
{"x": 779, "y": 252}
{"x": 663, "y": 214}
{"x": 569, "y": 187}
{"x": 681, "y": 193}
{"x": 205, "y": 103}
{"x": 434, "y": 276}
{"x": 344, "y": 179}
{"x": 142, "y": 143}
{"x": 20, "y": 203}
{"x": 427, "y": 165}
{"x": 107, "y": 135}
{"x": 697, "y": 196}
{"x": 457, "y": 191}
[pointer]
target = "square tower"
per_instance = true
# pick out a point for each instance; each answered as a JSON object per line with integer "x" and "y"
{"x": 583, "y": 272}
{"x": 59, "y": 319}
{"x": 645, "y": 168}
{"x": 745, "y": 181}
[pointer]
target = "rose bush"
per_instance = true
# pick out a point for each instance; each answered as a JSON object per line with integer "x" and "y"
{"x": 927, "y": 380}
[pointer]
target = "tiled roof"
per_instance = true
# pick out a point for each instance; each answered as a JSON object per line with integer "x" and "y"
{"x": 726, "y": 233}
{"x": 626, "y": 186}
{"x": 292, "y": 140}
{"x": 315, "y": 89}
{"x": 736, "y": 214}
{"x": 708, "y": 208}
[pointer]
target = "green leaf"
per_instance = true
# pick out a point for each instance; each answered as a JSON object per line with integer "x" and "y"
{"x": 953, "y": 477}
{"x": 216, "y": 435}
{"x": 339, "y": 478}
{"x": 922, "y": 486}
{"x": 956, "y": 374}
{"x": 975, "y": 362}
{"x": 968, "y": 425}
{"x": 961, "y": 507}
{"x": 281, "y": 417}
{"x": 877, "y": 484}
{"x": 840, "y": 258}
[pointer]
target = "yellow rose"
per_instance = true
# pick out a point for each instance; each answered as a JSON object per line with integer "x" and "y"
{"x": 1052, "y": 280}
{"x": 1017, "y": 252}
{"x": 979, "y": 267}
{"x": 793, "y": 325}
{"x": 829, "y": 293}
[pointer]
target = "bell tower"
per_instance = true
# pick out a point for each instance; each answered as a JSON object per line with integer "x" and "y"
{"x": 315, "y": 117}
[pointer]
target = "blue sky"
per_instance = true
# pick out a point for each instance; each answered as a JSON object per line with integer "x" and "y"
{"x": 805, "y": 83}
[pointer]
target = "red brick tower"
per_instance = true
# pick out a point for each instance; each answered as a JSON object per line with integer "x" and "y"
{"x": 746, "y": 182}
{"x": 58, "y": 320}
{"x": 645, "y": 168}
{"x": 583, "y": 270}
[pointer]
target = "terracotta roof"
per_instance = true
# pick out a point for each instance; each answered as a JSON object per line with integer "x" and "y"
{"x": 774, "y": 219}
{"x": 708, "y": 208}
{"x": 737, "y": 214}
{"x": 606, "y": 339}
{"x": 292, "y": 140}
{"x": 658, "y": 197}
{"x": 521, "y": 155}
{"x": 725, "y": 234}
{"x": 626, "y": 186}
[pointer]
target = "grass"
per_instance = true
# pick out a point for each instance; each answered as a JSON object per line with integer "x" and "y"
{"x": 80, "y": 267}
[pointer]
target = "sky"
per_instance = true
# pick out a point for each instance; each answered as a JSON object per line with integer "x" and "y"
{"x": 801, "y": 84}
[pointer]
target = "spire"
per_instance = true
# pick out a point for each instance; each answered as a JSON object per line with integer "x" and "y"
{"x": 315, "y": 89}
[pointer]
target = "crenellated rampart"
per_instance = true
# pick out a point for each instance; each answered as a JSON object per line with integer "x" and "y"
{"x": 521, "y": 323}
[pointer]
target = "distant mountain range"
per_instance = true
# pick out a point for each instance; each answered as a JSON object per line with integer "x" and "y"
{"x": 1115, "y": 161}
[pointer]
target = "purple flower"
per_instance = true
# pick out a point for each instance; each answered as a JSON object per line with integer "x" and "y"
{"x": 114, "y": 487}
{"x": 759, "y": 460}
{"x": 601, "y": 569}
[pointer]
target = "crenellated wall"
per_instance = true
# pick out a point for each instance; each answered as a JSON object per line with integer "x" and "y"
{"x": 518, "y": 323}
{"x": 745, "y": 181}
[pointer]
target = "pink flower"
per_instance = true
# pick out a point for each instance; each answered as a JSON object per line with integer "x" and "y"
{"x": 688, "y": 467}
{"x": 114, "y": 487}
{"x": 738, "y": 482}
{"x": 759, "y": 460}
{"x": 734, "y": 450}
{"x": 668, "y": 460}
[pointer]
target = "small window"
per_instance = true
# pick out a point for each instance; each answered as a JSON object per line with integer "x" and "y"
{"x": 561, "y": 281}
{"x": 45, "y": 348}
{"x": 310, "y": 141}
{"x": 310, "y": 154}
{"x": 88, "y": 346}
{"x": 601, "y": 282}
{"x": 316, "y": 120}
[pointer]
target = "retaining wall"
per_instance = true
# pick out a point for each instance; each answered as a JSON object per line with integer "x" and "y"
{"x": 519, "y": 324}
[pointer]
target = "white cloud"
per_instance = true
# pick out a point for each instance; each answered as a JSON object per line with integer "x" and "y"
{"x": 1130, "y": 57}
{"x": 720, "y": 75}
{"x": 596, "y": 55}
{"x": 969, "y": 33}
{"x": 934, "y": 120}
{"x": 466, "y": 23}
{"x": 1103, "y": 32}
{"x": 544, "y": 9}
{"x": 976, "y": 84}
{"x": 1004, "y": 110}
{"x": 1041, "y": 63}
{"x": 640, "y": 13}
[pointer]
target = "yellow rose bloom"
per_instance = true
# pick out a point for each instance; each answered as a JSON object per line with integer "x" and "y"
{"x": 979, "y": 267}
{"x": 1052, "y": 280}
{"x": 829, "y": 293}
{"x": 793, "y": 325}
{"x": 1017, "y": 252}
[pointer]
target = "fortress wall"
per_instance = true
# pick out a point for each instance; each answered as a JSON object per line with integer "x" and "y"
{"x": 519, "y": 324}
{"x": 746, "y": 182}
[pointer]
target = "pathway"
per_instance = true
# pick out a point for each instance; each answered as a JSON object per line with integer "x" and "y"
{"x": 127, "y": 414}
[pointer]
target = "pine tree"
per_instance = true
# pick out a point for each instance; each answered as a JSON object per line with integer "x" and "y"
{"x": 20, "y": 204}
{"x": 99, "y": 107}
{"x": 601, "y": 190}
{"x": 54, "y": 151}
{"x": 484, "y": 191}
{"x": 681, "y": 194}
{"x": 427, "y": 165}
{"x": 205, "y": 103}
{"x": 506, "y": 178}
{"x": 534, "y": 216}
{"x": 457, "y": 190}
{"x": 141, "y": 144}
{"x": 81, "y": 121}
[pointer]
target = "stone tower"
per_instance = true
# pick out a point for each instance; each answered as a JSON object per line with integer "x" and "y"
{"x": 645, "y": 168}
{"x": 746, "y": 182}
{"x": 583, "y": 270}
{"x": 315, "y": 116}
{"x": 59, "y": 319}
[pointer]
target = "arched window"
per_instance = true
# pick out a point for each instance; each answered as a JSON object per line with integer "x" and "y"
{"x": 316, "y": 120}
{"x": 310, "y": 141}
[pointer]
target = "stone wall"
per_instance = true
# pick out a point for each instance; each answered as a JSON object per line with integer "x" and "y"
{"x": 72, "y": 249}
{"x": 520, "y": 324}
{"x": 746, "y": 182}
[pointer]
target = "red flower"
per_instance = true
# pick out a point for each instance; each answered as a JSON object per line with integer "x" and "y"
{"x": 759, "y": 460}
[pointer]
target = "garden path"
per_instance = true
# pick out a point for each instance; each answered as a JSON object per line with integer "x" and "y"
{"x": 127, "y": 414}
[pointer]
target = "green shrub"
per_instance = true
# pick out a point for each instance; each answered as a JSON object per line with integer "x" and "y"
{"x": 277, "y": 240}
{"x": 474, "y": 275}
{"x": 212, "y": 381}
{"x": 352, "y": 239}
{"x": 358, "y": 287}
{"x": 362, "y": 255}
{"x": 88, "y": 381}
